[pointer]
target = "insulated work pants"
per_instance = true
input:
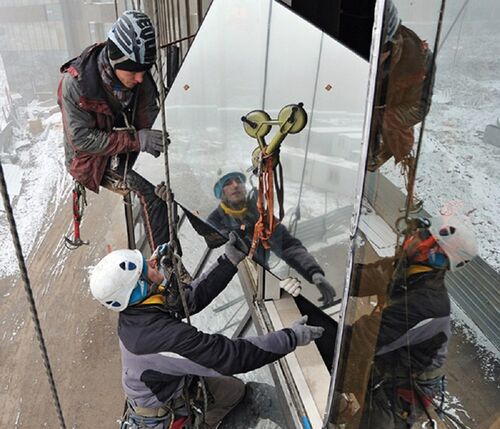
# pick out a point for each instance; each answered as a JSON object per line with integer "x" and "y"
{"x": 382, "y": 413}
{"x": 153, "y": 209}
{"x": 226, "y": 393}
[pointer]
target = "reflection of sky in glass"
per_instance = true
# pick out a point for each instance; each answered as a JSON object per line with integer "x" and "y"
{"x": 268, "y": 57}
{"x": 227, "y": 74}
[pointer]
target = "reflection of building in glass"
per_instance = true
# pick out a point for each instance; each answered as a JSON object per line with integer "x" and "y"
{"x": 36, "y": 37}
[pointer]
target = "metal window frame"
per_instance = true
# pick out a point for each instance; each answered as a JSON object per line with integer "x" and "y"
{"x": 360, "y": 185}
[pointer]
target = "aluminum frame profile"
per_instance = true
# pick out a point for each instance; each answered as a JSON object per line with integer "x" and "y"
{"x": 370, "y": 101}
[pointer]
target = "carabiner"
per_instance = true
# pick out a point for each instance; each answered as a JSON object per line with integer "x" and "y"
{"x": 430, "y": 424}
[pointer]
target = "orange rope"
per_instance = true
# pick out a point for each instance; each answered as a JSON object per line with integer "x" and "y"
{"x": 266, "y": 223}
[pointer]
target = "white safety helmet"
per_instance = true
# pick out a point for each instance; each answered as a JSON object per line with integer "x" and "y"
{"x": 117, "y": 277}
{"x": 456, "y": 237}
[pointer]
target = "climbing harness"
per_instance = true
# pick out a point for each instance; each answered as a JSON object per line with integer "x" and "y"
{"x": 79, "y": 203}
{"x": 139, "y": 418}
{"x": 111, "y": 180}
{"x": 266, "y": 165}
{"x": 132, "y": 420}
{"x": 29, "y": 296}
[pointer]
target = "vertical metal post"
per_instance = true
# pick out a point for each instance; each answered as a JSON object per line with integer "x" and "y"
{"x": 179, "y": 35}
{"x": 169, "y": 29}
{"x": 129, "y": 220}
{"x": 360, "y": 188}
{"x": 70, "y": 34}
{"x": 199, "y": 12}
{"x": 174, "y": 24}
{"x": 188, "y": 19}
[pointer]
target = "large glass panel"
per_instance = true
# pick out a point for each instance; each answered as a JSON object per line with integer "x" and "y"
{"x": 418, "y": 297}
{"x": 226, "y": 312}
{"x": 269, "y": 58}
{"x": 221, "y": 79}
{"x": 321, "y": 172}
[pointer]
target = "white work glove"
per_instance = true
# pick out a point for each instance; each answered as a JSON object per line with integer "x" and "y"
{"x": 291, "y": 285}
{"x": 234, "y": 249}
{"x": 326, "y": 289}
{"x": 151, "y": 141}
{"x": 305, "y": 333}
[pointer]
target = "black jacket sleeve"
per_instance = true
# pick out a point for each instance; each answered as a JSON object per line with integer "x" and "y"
{"x": 174, "y": 347}
{"x": 215, "y": 220}
{"x": 293, "y": 252}
{"x": 210, "y": 284}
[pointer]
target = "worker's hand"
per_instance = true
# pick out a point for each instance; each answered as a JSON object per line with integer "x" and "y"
{"x": 291, "y": 285}
{"x": 151, "y": 141}
{"x": 305, "y": 333}
{"x": 326, "y": 289}
{"x": 236, "y": 250}
{"x": 160, "y": 251}
{"x": 348, "y": 407}
{"x": 161, "y": 191}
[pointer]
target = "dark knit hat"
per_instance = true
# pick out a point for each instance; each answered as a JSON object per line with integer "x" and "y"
{"x": 121, "y": 62}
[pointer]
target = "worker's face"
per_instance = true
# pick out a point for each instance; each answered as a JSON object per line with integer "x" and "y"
{"x": 130, "y": 79}
{"x": 154, "y": 274}
{"x": 234, "y": 191}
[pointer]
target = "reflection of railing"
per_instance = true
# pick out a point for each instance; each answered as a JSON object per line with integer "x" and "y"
{"x": 475, "y": 289}
{"x": 312, "y": 231}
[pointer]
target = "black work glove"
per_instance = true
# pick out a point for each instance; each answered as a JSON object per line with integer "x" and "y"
{"x": 160, "y": 251}
{"x": 325, "y": 288}
{"x": 151, "y": 141}
{"x": 161, "y": 191}
{"x": 305, "y": 333}
{"x": 236, "y": 250}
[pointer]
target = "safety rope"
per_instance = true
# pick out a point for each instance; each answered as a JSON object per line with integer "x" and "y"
{"x": 173, "y": 240}
{"x": 79, "y": 202}
{"x": 411, "y": 166}
{"x": 266, "y": 162}
{"x": 29, "y": 295}
{"x": 265, "y": 225}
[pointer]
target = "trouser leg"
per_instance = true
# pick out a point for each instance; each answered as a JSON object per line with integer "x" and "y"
{"x": 154, "y": 210}
{"x": 226, "y": 392}
{"x": 380, "y": 412}
{"x": 377, "y": 412}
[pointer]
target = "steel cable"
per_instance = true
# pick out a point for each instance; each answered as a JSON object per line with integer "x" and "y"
{"x": 170, "y": 202}
{"x": 29, "y": 295}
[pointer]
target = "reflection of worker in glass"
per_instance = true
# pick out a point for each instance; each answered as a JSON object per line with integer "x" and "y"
{"x": 237, "y": 212}
{"x": 396, "y": 353}
{"x": 405, "y": 91}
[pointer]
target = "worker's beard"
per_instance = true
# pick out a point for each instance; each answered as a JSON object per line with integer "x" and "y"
{"x": 235, "y": 205}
